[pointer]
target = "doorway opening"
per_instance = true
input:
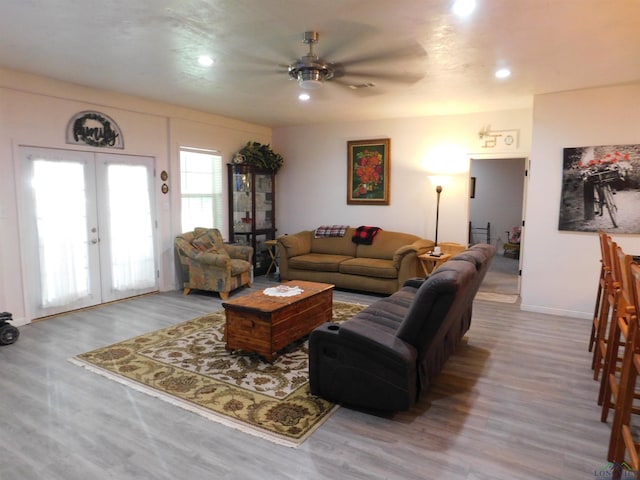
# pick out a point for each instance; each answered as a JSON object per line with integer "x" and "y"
{"x": 496, "y": 212}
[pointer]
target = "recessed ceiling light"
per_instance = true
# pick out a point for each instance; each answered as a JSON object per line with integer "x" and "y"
{"x": 463, "y": 8}
{"x": 304, "y": 97}
{"x": 205, "y": 60}
{"x": 503, "y": 73}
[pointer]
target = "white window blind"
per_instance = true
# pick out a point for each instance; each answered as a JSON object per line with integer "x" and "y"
{"x": 201, "y": 179}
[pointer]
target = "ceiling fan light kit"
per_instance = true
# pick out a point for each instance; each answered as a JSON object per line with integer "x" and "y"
{"x": 310, "y": 79}
{"x": 310, "y": 71}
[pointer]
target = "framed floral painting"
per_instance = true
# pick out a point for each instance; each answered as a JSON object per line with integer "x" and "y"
{"x": 601, "y": 189}
{"x": 368, "y": 171}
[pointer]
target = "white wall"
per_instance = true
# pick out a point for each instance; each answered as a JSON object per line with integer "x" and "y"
{"x": 560, "y": 268}
{"x": 35, "y": 111}
{"x": 312, "y": 185}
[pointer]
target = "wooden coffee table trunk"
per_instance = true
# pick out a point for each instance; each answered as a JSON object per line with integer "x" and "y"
{"x": 265, "y": 324}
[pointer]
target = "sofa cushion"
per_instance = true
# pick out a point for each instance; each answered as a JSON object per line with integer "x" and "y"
{"x": 330, "y": 231}
{"x": 335, "y": 245}
{"x": 364, "y": 235}
{"x": 239, "y": 266}
{"x": 369, "y": 267}
{"x": 434, "y": 300}
{"x": 318, "y": 262}
{"x": 488, "y": 250}
{"x": 205, "y": 242}
{"x": 294, "y": 245}
{"x": 219, "y": 251}
{"x": 387, "y": 313}
{"x": 385, "y": 245}
{"x": 476, "y": 257}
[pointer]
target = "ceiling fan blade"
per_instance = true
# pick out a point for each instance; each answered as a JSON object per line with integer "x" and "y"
{"x": 275, "y": 51}
{"x": 263, "y": 69}
{"x": 410, "y": 52}
{"x": 247, "y": 58}
{"x": 363, "y": 89}
{"x": 395, "y": 76}
{"x": 340, "y": 36}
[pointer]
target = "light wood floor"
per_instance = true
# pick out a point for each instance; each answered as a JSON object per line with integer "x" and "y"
{"x": 502, "y": 276}
{"x": 516, "y": 402}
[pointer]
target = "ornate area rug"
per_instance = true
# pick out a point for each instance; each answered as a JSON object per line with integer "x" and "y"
{"x": 187, "y": 365}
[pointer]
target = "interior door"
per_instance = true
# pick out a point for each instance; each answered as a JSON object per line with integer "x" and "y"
{"x": 87, "y": 226}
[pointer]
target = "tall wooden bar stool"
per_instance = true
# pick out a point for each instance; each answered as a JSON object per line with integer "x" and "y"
{"x": 618, "y": 334}
{"x": 622, "y": 444}
{"x": 601, "y": 287}
{"x": 602, "y": 312}
{"x": 607, "y": 314}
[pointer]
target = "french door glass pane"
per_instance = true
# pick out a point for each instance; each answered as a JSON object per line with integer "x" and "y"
{"x": 62, "y": 234}
{"x": 130, "y": 228}
{"x": 87, "y": 223}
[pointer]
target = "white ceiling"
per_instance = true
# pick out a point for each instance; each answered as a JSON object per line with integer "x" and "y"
{"x": 149, "y": 48}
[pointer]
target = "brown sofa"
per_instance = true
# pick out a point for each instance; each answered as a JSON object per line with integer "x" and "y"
{"x": 381, "y": 267}
{"x": 388, "y": 354}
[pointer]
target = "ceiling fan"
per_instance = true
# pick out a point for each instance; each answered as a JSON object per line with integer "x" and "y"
{"x": 311, "y": 71}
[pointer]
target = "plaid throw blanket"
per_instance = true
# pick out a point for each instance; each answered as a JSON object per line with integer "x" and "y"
{"x": 365, "y": 235}
{"x": 331, "y": 231}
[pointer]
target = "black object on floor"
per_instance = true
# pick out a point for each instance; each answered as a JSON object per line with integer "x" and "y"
{"x": 8, "y": 333}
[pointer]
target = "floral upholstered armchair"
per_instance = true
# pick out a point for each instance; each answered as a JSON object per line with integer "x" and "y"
{"x": 207, "y": 263}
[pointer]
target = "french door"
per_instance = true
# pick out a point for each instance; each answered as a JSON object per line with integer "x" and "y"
{"x": 88, "y": 228}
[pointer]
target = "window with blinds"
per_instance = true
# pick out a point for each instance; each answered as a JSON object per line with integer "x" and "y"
{"x": 201, "y": 188}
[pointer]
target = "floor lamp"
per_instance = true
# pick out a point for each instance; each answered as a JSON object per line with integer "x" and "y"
{"x": 438, "y": 191}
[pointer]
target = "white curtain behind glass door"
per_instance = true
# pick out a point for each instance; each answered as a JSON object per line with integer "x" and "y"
{"x": 60, "y": 199}
{"x": 131, "y": 230}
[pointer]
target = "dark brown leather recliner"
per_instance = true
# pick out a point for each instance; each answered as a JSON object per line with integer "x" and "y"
{"x": 387, "y": 355}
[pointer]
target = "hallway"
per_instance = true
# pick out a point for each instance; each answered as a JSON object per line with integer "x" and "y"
{"x": 502, "y": 277}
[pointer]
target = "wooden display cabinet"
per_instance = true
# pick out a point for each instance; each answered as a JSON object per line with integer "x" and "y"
{"x": 252, "y": 211}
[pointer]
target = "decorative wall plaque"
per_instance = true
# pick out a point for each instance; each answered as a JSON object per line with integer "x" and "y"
{"x": 498, "y": 140}
{"x": 95, "y": 129}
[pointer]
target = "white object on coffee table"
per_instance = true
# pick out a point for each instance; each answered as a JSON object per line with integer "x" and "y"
{"x": 282, "y": 291}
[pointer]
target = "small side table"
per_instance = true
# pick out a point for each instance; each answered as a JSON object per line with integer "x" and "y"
{"x": 512, "y": 250}
{"x": 431, "y": 262}
{"x": 272, "y": 246}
